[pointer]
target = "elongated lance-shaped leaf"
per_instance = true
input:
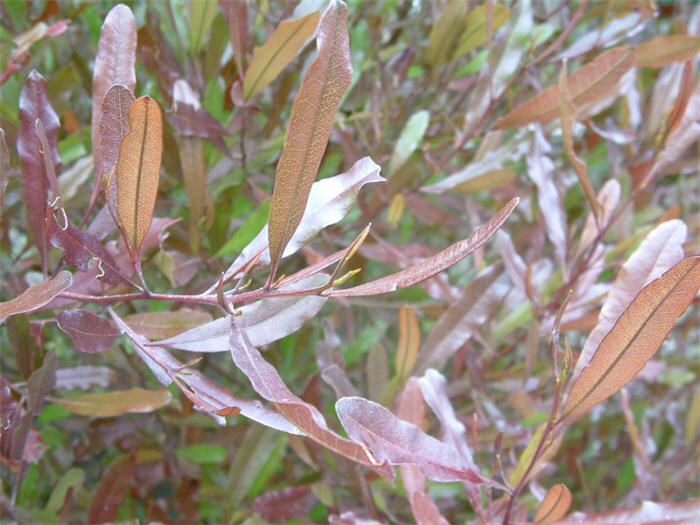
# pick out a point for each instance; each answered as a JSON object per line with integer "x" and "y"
{"x": 35, "y": 296}
{"x": 409, "y": 341}
{"x": 34, "y": 105}
{"x": 114, "y": 124}
{"x": 138, "y": 169}
{"x": 665, "y": 49}
{"x": 635, "y": 338}
{"x": 587, "y": 84}
{"x": 433, "y": 265}
{"x": 658, "y": 252}
{"x": 305, "y": 416}
{"x": 116, "y": 403}
{"x": 114, "y": 64}
{"x": 554, "y": 505}
{"x": 476, "y": 31}
{"x": 310, "y": 123}
{"x": 283, "y": 45}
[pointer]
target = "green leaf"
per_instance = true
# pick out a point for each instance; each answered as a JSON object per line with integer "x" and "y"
{"x": 246, "y": 231}
{"x": 411, "y": 136}
{"x": 203, "y": 453}
{"x": 202, "y": 13}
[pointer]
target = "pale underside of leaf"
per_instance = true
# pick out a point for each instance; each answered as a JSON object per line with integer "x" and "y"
{"x": 329, "y": 201}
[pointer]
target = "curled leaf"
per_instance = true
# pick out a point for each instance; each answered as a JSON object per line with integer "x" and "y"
{"x": 397, "y": 442}
{"x": 305, "y": 416}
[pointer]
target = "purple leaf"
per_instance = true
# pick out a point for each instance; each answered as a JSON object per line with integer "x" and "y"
{"x": 433, "y": 265}
{"x": 34, "y": 105}
{"x": 268, "y": 384}
{"x": 80, "y": 249}
{"x": 89, "y": 332}
{"x": 397, "y": 442}
{"x": 329, "y": 201}
{"x": 113, "y": 125}
{"x": 35, "y": 296}
{"x": 264, "y": 321}
{"x": 207, "y": 395}
{"x": 111, "y": 489}
{"x": 285, "y": 504}
{"x": 647, "y": 513}
{"x": 114, "y": 64}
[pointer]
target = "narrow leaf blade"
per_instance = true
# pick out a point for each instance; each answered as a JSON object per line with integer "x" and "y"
{"x": 283, "y": 45}
{"x": 111, "y": 404}
{"x": 433, "y": 265}
{"x": 35, "y": 296}
{"x": 554, "y": 505}
{"x": 635, "y": 338}
{"x": 310, "y": 123}
{"x": 89, "y": 332}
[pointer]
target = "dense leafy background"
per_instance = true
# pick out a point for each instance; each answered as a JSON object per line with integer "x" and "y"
{"x": 432, "y": 100}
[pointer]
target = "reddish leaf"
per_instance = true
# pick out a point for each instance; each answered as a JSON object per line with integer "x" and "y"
{"x": 113, "y": 125}
{"x": 309, "y": 128}
{"x": 285, "y": 504}
{"x": 665, "y": 49}
{"x": 82, "y": 250}
{"x": 111, "y": 489}
{"x": 34, "y": 106}
{"x": 433, "y": 265}
{"x": 658, "y": 252}
{"x": 35, "y": 296}
{"x": 589, "y": 83}
{"x": 114, "y": 64}
{"x": 635, "y": 338}
{"x": 268, "y": 384}
{"x": 189, "y": 117}
{"x": 554, "y": 505}
{"x": 138, "y": 172}
{"x": 89, "y": 332}
{"x": 396, "y": 442}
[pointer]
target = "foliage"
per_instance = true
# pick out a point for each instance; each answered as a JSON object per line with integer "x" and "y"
{"x": 438, "y": 267}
